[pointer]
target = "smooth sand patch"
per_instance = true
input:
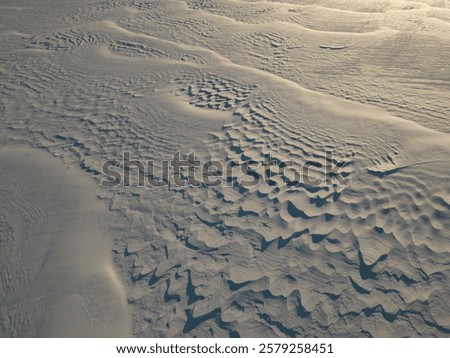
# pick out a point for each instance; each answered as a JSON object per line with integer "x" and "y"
{"x": 58, "y": 278}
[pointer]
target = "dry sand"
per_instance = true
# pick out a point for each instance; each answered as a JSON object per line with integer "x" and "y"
{"x": 233, "y": 80}
{"x": 57, "y": 273}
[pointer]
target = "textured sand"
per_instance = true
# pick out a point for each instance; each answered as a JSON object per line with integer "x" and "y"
{"x": 234, "y": 80}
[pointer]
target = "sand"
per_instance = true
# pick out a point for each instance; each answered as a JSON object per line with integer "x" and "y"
{"x": 367, "y": 81}
{"x": 58, "y": 278}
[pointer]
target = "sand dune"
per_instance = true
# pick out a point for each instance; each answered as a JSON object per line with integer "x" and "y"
{"x": 57, "y": 275}
{"x": 234, "y": 81}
